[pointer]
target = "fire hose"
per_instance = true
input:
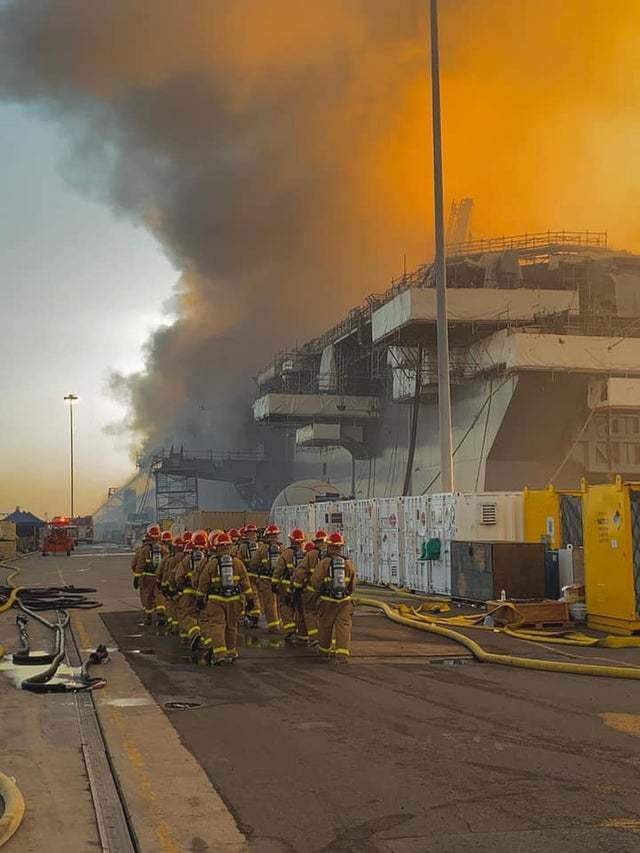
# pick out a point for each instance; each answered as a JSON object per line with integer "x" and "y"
{"x": 33, "y": 600}
{"x": 13, "y": 811}
{"x": 484, "y": 656}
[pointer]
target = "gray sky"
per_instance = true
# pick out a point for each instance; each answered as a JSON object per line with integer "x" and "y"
{"x": 80, "y": 291}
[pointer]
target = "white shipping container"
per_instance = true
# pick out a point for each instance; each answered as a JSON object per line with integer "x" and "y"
{"x": 439, "y": 582}
{"x": 440, "y": 526}
{"x": 366, "y": 540}
{"x": 415, "y": 515}
{"x": 386, "y": 537}
{"x": 347, "y": 509}
{"x": 326, "y": 514}
{"x": 481, "y": 517}
{"x": 390, "y": 539}
{"x": 469, "y": 517}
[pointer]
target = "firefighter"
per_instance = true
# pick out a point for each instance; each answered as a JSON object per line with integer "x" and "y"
{"x": 209, "y": 553}
{"x": 166, "y": 580}
{"x": 223, "y": 582}
{"x": 144, "y": 565}
{"x": 334, "y": 578}
{"x": 302, "y": 589}
{"x": 160, "y": 602}
{"x": 263, "y": 563}
{"x": 247, "y": 549}
{"x": 234, "y": 533}
{"x": 187, "y": 604}
{"x": 282, "y": 584}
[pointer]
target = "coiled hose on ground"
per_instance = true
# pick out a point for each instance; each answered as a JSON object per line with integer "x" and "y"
{"x": 33, "y": 599}
{"x": 484, "y": 656}
{"x": 13, "y": 808}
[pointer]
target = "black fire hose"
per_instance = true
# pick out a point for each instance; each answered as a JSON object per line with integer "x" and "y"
{"x": 52, "y": 598}
{"x": 46, "y": 675}
{"x": 24, "y": 656}
{"x": 31, "y": 600}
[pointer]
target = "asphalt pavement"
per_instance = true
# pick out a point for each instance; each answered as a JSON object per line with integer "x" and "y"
{"x": 412, "y": 747}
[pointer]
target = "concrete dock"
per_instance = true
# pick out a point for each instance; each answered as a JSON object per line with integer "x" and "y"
{"x": 412, "y": 747}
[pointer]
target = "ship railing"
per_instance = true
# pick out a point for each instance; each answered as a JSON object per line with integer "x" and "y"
{"x": 593, "y": 239}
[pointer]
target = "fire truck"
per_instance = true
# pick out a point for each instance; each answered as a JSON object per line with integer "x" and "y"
{"x": 58, "y": 536}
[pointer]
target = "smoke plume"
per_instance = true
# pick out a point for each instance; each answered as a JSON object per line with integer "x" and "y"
{"x": 279, "y": 151}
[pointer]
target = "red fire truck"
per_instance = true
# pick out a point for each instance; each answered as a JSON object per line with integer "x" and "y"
{"x": 58, "y": 536}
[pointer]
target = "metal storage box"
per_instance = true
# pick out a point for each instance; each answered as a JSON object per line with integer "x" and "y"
{"x": 555, "y": 516}
{"x": 612, "y": 557}
{"x": 481, "y": 570}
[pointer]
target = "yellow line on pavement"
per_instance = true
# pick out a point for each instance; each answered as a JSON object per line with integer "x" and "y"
{"x": 161, "y": 828}
{"x": 79, "y": 625}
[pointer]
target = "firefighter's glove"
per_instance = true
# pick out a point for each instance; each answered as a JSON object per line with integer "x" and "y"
{"x": 274, "y": 588}
{"x": 250, "y": 604}
{"x": 296, "y": 598}
{"x": 200, "y": 602}
{"x": 136, "y": 582}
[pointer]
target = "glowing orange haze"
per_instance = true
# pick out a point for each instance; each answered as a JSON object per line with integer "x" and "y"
{"x": 542, "y": 120}
{"x": 541, "y": 105}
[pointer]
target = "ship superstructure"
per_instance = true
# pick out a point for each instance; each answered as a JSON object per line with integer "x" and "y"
{"x": 544, "y": 334}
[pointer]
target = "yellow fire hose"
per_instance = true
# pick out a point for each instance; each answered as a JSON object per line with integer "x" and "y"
{"x": 475, "y": 622}
{"x": 12, "y": 596}
{"x": 13, "y": 808}
{"x": 433, "y": 626}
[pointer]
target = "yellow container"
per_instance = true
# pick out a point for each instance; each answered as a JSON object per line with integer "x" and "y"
{"x": 543, "y": 514}
{"x": 611, "y": 514}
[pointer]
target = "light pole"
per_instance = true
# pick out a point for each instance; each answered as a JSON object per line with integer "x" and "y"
{"x": 444, "y": 389}
{"x": 71, "y": 398}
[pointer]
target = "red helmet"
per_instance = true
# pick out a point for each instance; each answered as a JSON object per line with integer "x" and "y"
{"x": 296, "y": 535}
{"x": 178, "y": 543}
{"x": 242, "y": 532}
{"x": 212, "y": 538}
{"x": 188, "y": 546}
{"x": 250, "y": 528}
{"x": 187, "y": 536}
{"x": 271, "y": 530}
{"x": 336, "y": 539}
{"x": 320, "y": 536}
{"x": 153, "y": 530}
{"x": 223, "y": 539}
{"x": 166, "y": 536}
{"x": 200, "y": 539}
{"x": 309, "y": 546}
{"x": 233, "y": 533}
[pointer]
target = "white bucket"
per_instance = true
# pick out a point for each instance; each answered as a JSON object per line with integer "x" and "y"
{"x": 578, "y": 611}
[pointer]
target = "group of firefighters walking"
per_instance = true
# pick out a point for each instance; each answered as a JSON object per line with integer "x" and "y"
{"x": 203, "y": 586}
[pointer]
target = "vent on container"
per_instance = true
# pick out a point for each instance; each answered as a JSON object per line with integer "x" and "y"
{"x": 489, "y": 514}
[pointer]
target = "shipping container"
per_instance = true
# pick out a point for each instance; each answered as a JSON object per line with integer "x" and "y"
{"x": 441, "y": 527}
{"x": 415, "y": 514}
{"x": 470, "y": 517}
{"x": 366, "y": 541}
{"x": 482, "y": 570}
{"x": 390, "y": 539}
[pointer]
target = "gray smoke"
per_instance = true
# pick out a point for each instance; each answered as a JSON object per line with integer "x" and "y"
{"x": 250, "y": 138}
